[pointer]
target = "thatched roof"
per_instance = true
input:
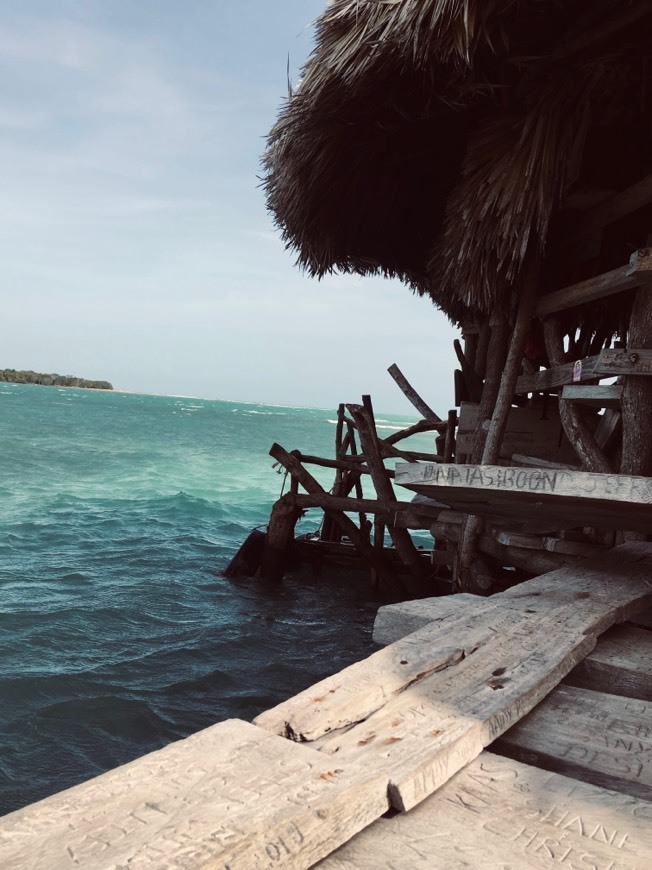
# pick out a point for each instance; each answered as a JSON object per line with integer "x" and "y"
{"x": 433, "y": 140}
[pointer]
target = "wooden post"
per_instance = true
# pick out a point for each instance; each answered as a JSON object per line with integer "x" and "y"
{"x": 449, "y": 447}
{"x": 480, "y": 364}
{"x": 472, "y": 380}
{"x": 279, "y": 538}
{"x": 637, "y": 396}
{"x": 364, "y": 420}
{"x": 496, "y": 355}
{"x": 464, "y": 579}
{"x": 577, "y": 432}
{"x": 330, "y": 531}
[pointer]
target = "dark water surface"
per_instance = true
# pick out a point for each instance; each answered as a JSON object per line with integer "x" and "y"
{"x": 117, "y": 634}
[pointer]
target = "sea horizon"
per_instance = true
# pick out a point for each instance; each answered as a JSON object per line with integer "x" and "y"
{"x": 119, "y": 514}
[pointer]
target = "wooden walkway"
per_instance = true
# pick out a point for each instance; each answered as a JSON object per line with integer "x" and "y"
{"x": 406, "y": 728}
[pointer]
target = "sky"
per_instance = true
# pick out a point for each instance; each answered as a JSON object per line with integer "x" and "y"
{"x": 136, "y": 246}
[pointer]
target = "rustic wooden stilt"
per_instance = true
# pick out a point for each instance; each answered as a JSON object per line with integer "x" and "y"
{"x": 449, "y": 447}
{"x": 496, "y": 355}
{"x": 472, "y": 380}
{"x": 464, "y": 579}
{"x": 330, "y": 531}
{"x": 279, "y": 538}
{"x": 577, "y": 432}
{"x": 480, "y": 363}
{"x": 363, "y": 416}
{"x": 637, "y": 397}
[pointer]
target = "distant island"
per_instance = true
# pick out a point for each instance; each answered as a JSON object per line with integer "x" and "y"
{"x": 51, "y": 380}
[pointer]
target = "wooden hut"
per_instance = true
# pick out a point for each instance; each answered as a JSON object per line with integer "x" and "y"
{"x": 496, "y": 157}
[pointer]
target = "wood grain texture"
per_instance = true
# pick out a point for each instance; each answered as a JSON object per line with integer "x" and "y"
{"x": 435, "y": 727}
{"x": 599, "y": 738}
{"x": 536, "y": 495}
{"x": 353, "y": 694}
{"x": 231, "y": 796}
{"x": 498, "y": 813}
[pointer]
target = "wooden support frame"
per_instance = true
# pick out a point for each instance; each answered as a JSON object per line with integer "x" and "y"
{"x": 355, "y": 535}
{"x": 364, "y": 420}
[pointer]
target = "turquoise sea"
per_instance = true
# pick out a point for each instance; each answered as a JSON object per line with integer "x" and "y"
{"x": 118, "y": 634}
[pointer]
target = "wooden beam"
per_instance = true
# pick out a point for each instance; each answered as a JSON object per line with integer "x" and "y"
{"x": 421, "y": 426}
{"x": 629, "y": 277}
{"x": 368, "y": 505}
{"x": 594, "y": 395}
{"x": 558, "y": 376}
{"x": 411, "y": 394}
{"x": 552, "y": 498}
{"x": 631, "y": 361}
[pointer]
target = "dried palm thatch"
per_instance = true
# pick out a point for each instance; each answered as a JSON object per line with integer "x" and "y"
{"x": 433, "y": 140}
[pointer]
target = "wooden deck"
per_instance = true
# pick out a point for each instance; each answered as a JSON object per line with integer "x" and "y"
{"x": 407, "y": 728}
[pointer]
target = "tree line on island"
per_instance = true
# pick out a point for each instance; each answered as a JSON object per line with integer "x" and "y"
{"x": 51, "y": 380}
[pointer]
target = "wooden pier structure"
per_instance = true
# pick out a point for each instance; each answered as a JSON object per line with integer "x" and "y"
{"x": 495, "y": 156}
{"x": 510, "y": 730}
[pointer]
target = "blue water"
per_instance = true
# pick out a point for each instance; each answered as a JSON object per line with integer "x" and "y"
{"x": 117, "y": 632}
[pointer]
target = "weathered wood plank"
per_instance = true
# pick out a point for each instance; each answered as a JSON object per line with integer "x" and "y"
{"x": 621, "y": 664}
{"x": 558, "y": 376}
{"x": 594, "y": 395}
{"x": 435, "y": 727}
{"x": 567, "y": 498}
{"x": 599, "y": 738}
{"x": 631, "y": 361}
{"x": 627, "y": 567}
{"x": 232, "y": 795}
{"x": 627, "y": 277}
{"x": 353, "y": 694}
{"x": 394, "y": 621}
{"x": 499, "y": 813}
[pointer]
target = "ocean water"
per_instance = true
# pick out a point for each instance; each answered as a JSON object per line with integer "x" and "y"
{"x": 118, "y": 634}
